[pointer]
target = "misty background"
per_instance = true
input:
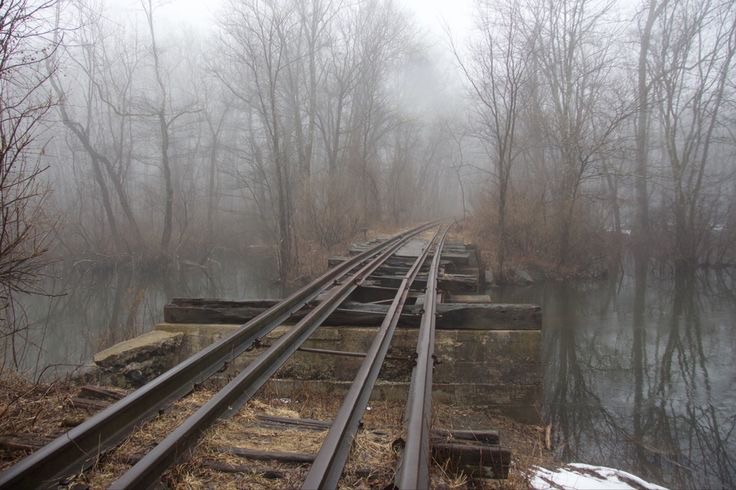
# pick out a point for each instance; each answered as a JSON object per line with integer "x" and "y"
{"x": 227, "y": 149}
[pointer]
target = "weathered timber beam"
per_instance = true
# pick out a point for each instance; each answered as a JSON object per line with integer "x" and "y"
{"x": 89, "y": 404}
{"x": 256, "y": 303}
{"x": 101, "y": 392}
{"x": 471, "y": 456}
{"x": 280, "y": 456}
{"x": 239, "y": 468}
{"x": 490, "y": 437}
{"x": 452, "y": 283}
{"x": 22, "y": 442}
{"x": 451, "y": 316}
{"x": 370, "y": 294}
{"x": 459, "y": 257}
{"x": 311, "y": 424}
{"x": 399, "y": 261}
{"x": 439, "y": 436}
{"x": 394, "y": 261}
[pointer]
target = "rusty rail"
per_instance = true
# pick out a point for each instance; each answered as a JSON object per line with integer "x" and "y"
{"x": 327, "y": 468}
{"x": 71, "y": 452}
{"x": 227, "y": 401}
{"x": 413, "y": 471}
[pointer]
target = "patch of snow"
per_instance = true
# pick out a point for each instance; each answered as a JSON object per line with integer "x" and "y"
{"x": 579, "y": 476}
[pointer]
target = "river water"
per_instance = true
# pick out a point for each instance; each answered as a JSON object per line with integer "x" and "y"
{"x": 640, "y": 374}
{"x": 91, "y": 308}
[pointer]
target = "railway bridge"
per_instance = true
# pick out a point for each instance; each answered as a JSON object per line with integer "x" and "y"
{"x": 398, "y": 322}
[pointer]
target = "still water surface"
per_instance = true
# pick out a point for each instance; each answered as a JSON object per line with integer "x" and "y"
{"x": 640, "y": 374}
{"x": 92, "y": 309}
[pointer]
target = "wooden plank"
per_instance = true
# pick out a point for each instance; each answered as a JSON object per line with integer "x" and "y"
{"x": 452, "y": 283}
{"x": 269, "y": 474}
{"x": 255, "y": 303}
{"x": 462, "y": 457}
{"x": 370, "y": 294}
{"x": 490, "y": 437}
{"x": 101, "y": 393}
{"x": 459, "y": 260}
{"x": 88, "y": 404}
{"x": 215, "y": 311}
{"x": 451, "y": 316}
{"x": 280, "y": 456}
{"x": 287, "y": 421}
{"x": 25, "y": 442}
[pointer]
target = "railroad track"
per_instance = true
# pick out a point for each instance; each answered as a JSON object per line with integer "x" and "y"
{"x": 74, "y": 451}
{"x": 327, "y": 467}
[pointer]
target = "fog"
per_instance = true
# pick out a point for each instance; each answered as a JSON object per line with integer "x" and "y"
{"x": 175, "y": 136}
{"x": 227, "y": 148}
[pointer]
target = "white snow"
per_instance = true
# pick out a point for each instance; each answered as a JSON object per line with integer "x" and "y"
{"x": 578, "y": 476}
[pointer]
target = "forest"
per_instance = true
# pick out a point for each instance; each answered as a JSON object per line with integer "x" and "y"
{"x": 561, "y": 134}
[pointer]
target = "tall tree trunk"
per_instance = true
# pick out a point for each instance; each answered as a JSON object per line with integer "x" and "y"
{"x": 168, "y": 186}
{"x": 164, "y": 129}
{"x": 211, "y": 183}
{"x": 641, "y": 225}
{"x": 502, "y": 245}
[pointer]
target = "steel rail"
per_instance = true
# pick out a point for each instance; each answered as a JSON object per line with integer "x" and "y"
{"x": 413, "y": 471}
{"x": 328, "y": 466}
{"x": 228, "y": 400}
{"x": 71, "y": 452}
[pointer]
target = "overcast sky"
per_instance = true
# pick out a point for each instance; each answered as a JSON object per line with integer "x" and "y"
{"x": 429, "y": 14}
{"x": 442, "y": 80}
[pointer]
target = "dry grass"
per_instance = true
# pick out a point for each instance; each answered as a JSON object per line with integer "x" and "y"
{"x": 42, "y": 412}
{"x": 35, "y": 413}
{"x": 112, "y": 465}
{"x": 244, "y": 431}
{"x": 372, "y": 460}
{"x": 527, "y": 445}
{"x": 372, "y": 454}
{"x": 533, "y": 237}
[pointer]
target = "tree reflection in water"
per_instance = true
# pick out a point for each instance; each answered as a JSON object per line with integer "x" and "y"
{"x": 639, "y": 374}
{"x": 92, "y": 309}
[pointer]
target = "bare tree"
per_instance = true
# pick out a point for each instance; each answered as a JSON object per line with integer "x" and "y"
{"x": 335, "y": 215}
{"x": 581, "y": 109}
{"x": 166, "y": 116}
{"x": 303, "y": 74}
{"x": 24, "y": 104}
{"x": 215, "y": 124}
{"x": 383, "y": 38}
{"x": 653, "y": 9}
{"x": 497, "y": 74}
{"x": 104, "y": 87}
{"x": 692, "y": 65}
{"x": 255, "y": 42}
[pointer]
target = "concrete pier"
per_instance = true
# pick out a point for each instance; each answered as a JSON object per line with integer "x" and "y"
{"x": 488, "y": 354}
